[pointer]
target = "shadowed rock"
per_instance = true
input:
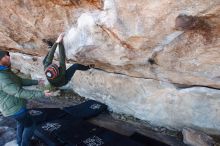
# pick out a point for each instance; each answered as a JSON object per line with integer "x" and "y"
{"x": 196, "y": 138}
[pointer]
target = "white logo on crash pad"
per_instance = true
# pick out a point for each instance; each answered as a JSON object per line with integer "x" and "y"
{"x": 93, "y": 141}
{"x": 35, "y": 112}
{"x": 51, "y": 126}
{"x": 95, "y": 106}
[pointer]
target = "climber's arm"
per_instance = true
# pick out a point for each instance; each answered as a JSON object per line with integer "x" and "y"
{"x": 49, "y": 57}
{"x": 62, "y": 56}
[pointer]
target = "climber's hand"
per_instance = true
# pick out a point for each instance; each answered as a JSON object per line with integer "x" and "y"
{"x": 51, "y": 94}
{"x": 47, "y": 93}
{"x": 41, "y": 82}
{"x": 60, "y": 38}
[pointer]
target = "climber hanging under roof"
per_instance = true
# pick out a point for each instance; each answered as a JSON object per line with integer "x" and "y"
{"x": 58, "y": 75}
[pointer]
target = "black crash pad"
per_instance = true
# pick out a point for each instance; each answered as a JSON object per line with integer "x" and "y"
{"x": 40, "y": 115}
{"x": 86, "y": 110}
{"x": 67, "y": 132}
{"x": 68, "y": 127}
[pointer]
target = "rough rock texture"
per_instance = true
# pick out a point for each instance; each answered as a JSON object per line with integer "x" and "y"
{"x": 148, "y": 69}
{"x": 196, "y": 138}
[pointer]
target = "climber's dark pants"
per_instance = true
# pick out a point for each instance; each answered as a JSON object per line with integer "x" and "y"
{"x": 25, "y": 128}
{"x": 72, "y": 69}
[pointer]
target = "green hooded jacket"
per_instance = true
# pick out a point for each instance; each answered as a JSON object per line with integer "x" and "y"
{"x": 12, "y": 95}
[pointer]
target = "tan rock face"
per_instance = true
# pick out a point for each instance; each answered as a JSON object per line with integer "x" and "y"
{"x": 25, "y": 23}
{"x": 152, "y": 49}
{"x": 146, "y": 64}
